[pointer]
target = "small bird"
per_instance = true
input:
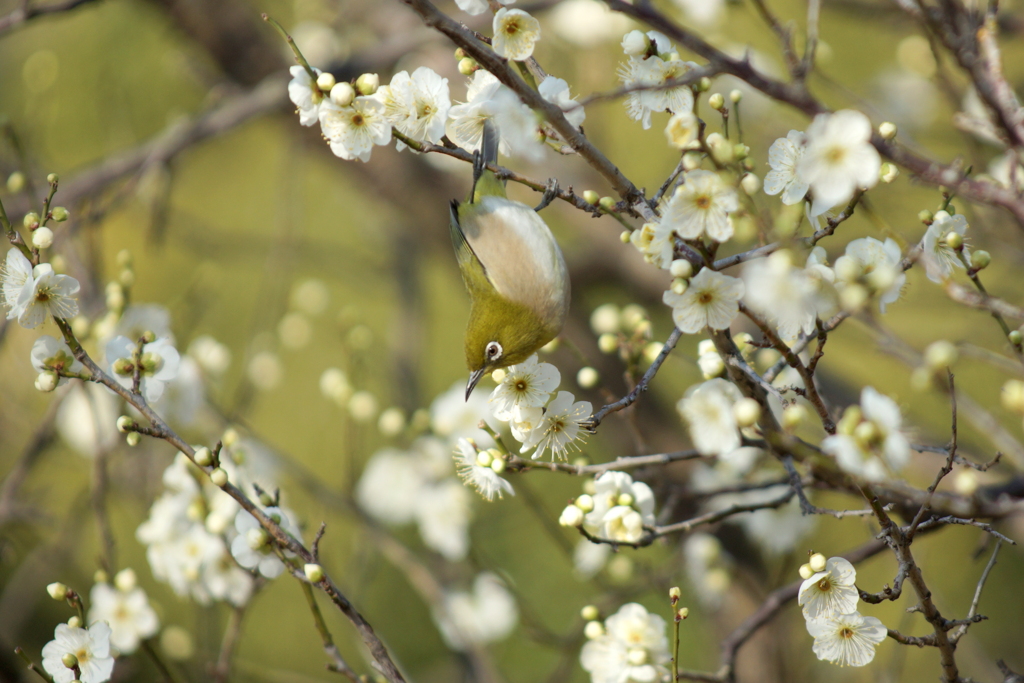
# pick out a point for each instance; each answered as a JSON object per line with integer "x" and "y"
{"x": 513, "y": 269}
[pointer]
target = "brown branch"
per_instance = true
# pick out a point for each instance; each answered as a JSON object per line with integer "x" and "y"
{"x": 27, "y": 12}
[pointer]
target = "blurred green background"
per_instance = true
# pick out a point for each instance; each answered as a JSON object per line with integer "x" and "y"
{"x": 223, "y": 229}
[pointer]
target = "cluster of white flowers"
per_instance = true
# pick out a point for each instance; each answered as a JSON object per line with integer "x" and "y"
{"x": 155, "y": 361}
{"x": 631, "y": 645}
{"x": 652, "y": 62}
{"x": 32, "y": 294}
{"x": 486, "y": 614}
{"x": 942, "y": 247}
{"x": 617, "y": 510}
{"x": 833, "y": 159}
{"x": 354, "y": 117}
{"x": 828, "y": 597}
{"x": 868, "y": 442}
{"x": 190, "y": 530}
{"x": 540, "y": 423}
{"x": 708, "y": 409}
{"x": 419, "y": 485}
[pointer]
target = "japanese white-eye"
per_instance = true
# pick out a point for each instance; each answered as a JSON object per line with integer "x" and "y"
{"x": 513, "y": 269}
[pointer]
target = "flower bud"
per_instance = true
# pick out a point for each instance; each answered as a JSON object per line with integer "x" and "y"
{"x": 940, "y": 354}
{"x": 925, "y": 216}
{"x": 342, "y": 94}
{"x": 740, "y": 151}
{"x": 747, "y": 411}
{"x": 954, "y": 240}
{"x": 966, "y": 482}
{"x": 47, "y": 381}
{"x": 593, "y": 629}
{"x": 133, "y": 438}
{"x": 392, "y": 421}
{"x": 888, "y": 173}
{"x": 367, "y": 84}
{"x": 203, "y": 457}
{"x": 980, "y": 260}
{"x": 806, "y": 572}
{"x": 484, "y": 458}
{"x": 69, "y": 660}
{"x": 608, "y": 343}
{"x": 793, "y": 416}
{"x": 636, "y": 43}
{"x": 126, "y": 580}
{"x": 683, "y": 612}
{"x": 674, "y": 593}
{"x": 750, "y": 183}
{"x": 817, "y": 562}
{"x": 681, "y": 268}
{"x": 591, "y": 197}
{"x": 624, "y": 499}
{"x": 625, "y": 236}
{"x": 606, "y": 318}
{"x": 59, "y": 214}
{"x": 256, "y": 538}
{"x": 459, "y": 53}
{"x": 735, "y": 96}
{"x": 325, "y": 81}
{"x": 571, "y": 516}
{"x": 692, "y": 160}
{"x": 52, "y": 178}
{"x": 42, "y": 238}
{"x": 887, "y": 129}
{"x": 467, "y": 66}
{"x": 230, "y": 437}
{"x": 585, "y": 502}
{"x": 607, "y": 203}
{"x": 498, "y": 465}
{"x": 587, "y": 377}
{"x": 58, "y": 591}
{"x": 703, "y": 85}
{"x": 124, "y": 423}
{"x": 1015, "y": 337}
{"x": 1012, "y": 395}
{"x": 219, "y": 477}
{"x": 31, "y": 220}
{"x": 16, "y": 182}
{"x": 314, "y": 572}
{"x": 679, "y": 286}
{"x": 590, "y": 613}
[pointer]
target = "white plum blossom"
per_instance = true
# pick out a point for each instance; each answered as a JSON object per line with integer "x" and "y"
{"x": 682, "y": 129}
{"x": 656, "y": 242}
{"x": 127, "y": 612}
{"x": 91, "y": 647}
{"x": 559, "y": 428}
{"x": 939, "y": 258}
{"x": 711, "y": 300}
{"x": 830, "y": 592}
{"x": 487, "y": 98}
{"x": 622, "y": 507}
{"x": 251, "y": 547}
{"x": 86, "y": 418}
{"x": 633, "y": 649}
{"x": 453, "y": 416}
{"x": 158, "y": 360}
{"x": 44, "y": 294}
{"x": 708, "y": 410}
{"x": 515, "y": 34}
{"x": 589, "y": 558}
{"x": 352, "y": 131}
{"x": 556, "y": 91}
{"x": 879, "y": 263}
{"x": 53, "y": 355}
{"x": 526, "y": 385}
{"x": 305, "y": 95}
{"x": 792, "y": 298}
{"x": 484, "y": 479}
{"x": 443, "y": 514}
{"x": 876, "y": 446}
{"x": 485, "y": 615}
{"x": 15, "y": 273}
{"x": 645, "y": 71}
{"x": 701, "y": 206}
{"x": 784, "y": 157}
{"x": 846, "y": 639}
{"x": 417, "y": 105}
{"x": 839, "y": 158}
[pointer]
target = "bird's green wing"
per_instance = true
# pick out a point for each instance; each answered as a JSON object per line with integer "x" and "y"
{"x": 473, "y": 272}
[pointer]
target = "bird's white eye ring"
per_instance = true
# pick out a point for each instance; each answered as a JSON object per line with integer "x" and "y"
{"x": 493, "y": 350}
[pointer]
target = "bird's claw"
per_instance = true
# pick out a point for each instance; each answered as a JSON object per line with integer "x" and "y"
{"x": 550, "y": 194}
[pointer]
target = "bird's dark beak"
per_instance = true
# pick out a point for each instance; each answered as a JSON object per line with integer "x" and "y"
{"x": 474, "y": 377}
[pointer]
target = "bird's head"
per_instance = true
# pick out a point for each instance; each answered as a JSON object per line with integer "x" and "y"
{"x": 501, "y": 333}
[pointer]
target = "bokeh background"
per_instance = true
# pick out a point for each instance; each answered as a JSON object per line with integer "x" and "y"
{"x": 169, "y": 125}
